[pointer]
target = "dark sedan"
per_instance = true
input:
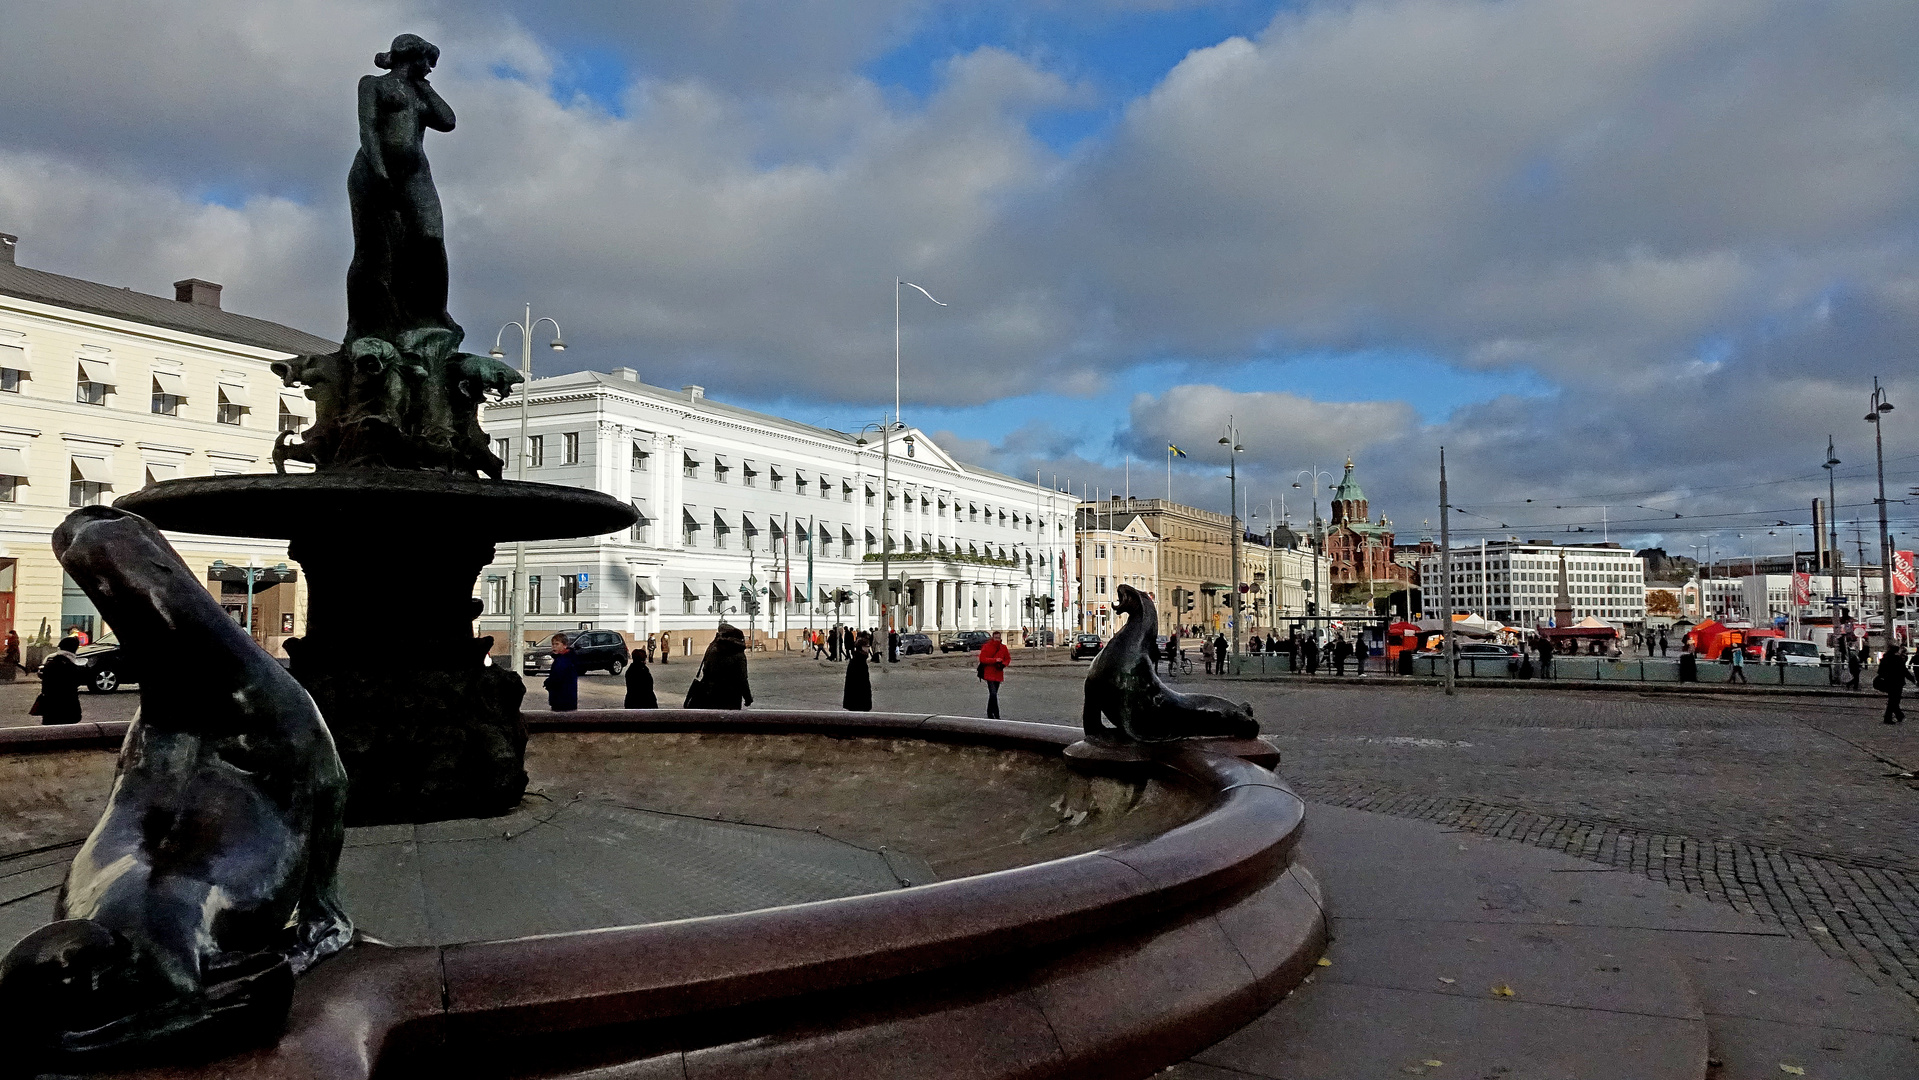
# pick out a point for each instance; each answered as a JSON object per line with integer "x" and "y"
{"x": 1085, "y": 645}
{"x": 108, "y": 668}
{"x": 593, "y": 650}
{"x": 913, "y": 644}
{"x": 965, "y": 641}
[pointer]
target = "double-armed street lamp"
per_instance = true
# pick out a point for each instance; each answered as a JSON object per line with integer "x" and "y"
{"x": 1317, "y": 476}
{"x": 1230, "y": 440}
{"x": 526, "y": 326}
{"x": 1879, "y": 407}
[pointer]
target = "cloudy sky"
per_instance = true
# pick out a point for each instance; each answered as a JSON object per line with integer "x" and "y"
{"x": 1641, "y": 255}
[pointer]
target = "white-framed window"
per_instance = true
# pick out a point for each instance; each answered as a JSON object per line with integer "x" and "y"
{"x": 869, "y": 496}
{"x": 569, "y": 594}
{"x": 503, "y": 449}
{"x": 720, "y": 530}
{"x": 533, "y": 594}
{"x": 775, "y": 478}
{"x": 89, "y": 479}
{"x": 93, "y": 382}
{"x": 799, "y": 483}
{"x": 688, "y": 599}
{"x": 641, "y": 456}
{"x": 13, "y": 366}
{"x": 720, "y": 469}
{"x": 169, "y": 392}
{"x": 689, "y": 466}
{"x": 570, "y": 448}
{"x": 496, "y": 595}
{"x": 749, "y": 475}
{"x": 233, "y": 403}
{"x": 846, "y": 491}
{"x": 535, "y": 451}
{"x": 1100, "y": 588}
{"x": 642, "y": 525}
{"x": 289, "y": 420}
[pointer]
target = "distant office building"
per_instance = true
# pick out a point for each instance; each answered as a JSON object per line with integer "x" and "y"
{"x": 1516, "y": 583}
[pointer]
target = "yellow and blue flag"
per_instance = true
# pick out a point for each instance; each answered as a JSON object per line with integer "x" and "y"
{"x": 1174, "y": 450}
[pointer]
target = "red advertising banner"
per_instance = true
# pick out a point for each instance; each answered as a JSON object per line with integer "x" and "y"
{"x": 1902, "y": 577}
{"x": 1802, "y": 588}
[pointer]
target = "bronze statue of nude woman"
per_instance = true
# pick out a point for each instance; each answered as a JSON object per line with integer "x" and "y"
{"x": 398, "y": 279}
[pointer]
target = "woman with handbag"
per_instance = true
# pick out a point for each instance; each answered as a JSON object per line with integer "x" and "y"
{"x": 61, "y": 676}
{"x": 993, "y": 658}
{"x": 721, "y": 681}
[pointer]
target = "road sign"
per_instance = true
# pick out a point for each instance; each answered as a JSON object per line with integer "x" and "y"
{"x": 1835, "y": 600}
{"x": 583, "y": 580}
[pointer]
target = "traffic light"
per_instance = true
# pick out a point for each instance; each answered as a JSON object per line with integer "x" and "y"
{"x": 1189, "y": 604}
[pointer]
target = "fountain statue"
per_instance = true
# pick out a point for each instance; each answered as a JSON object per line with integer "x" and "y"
{"x": 394, "y": 517}
{"x": 1127, "y": 706}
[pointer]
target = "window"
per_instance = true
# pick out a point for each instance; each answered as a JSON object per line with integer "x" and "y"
{"x": 869, "y": 496}
{"x": 720, "y": 529}
{"x": 570, "y": 448}
{"x": 689, "y": 466}
{"x": 826, "y": 488}
{"x": 846, "y": 542}
{"x": 496, "y": 595}
{"x": 10, "y": 379}
{"x": 289, "y": 420}
{"x": 748, "y": 474}
{"x": 846, "y": 491}
{"x": 13, "y": 367}
{"x": 776, "y": 477}
{"x": 535, "y": 451}
{"x": 689, "y": 527}
{"x": 640, "y": 457}
{"x": 503, "y": 449}
{"x": 168, "y": 393}
{"x": 88, "y": 481}
{"x": 799, "y": 483}
{"x": 1099, "y": 552}
{"x": 233, "y": 404}
{"x": 1100, "y": 588}
{"x": 570, "y": 594}
{"x": 642, "y": 525}
{"x": 748, "y": 531}
{"x": 9, "y": 488}
{"x": 720, "y": 469}
{"x": 688, "y": 598}
{"x": 533, "y": 594}
{"x": 93, "y": 383}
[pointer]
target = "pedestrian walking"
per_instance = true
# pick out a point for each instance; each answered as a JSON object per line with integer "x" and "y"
{"x": 1312, "y": 653}
{"x": 1206, "y": 655}
{"x": 721, "y": 682}
{"x": 60, "y": 679}
{"x": 1664, "y": 643}
{"x": 639, "y": 684}
{"x": 858, "y": 694}
{"x": 993, "y": 658}
{"x": 1688, "y": 665}
{"x": 1341, "y": 650}
{"x": 1891, "y": 681}
{"x": 10, "y": 662}
{"x": 1855, "y": 659}
{"x": 666, "y": 648}
{"x": 893, "y": 645}
{"x": 650, "y": 644}
{"x": 1738, "y": 673}
{"x": 563, "y": 679}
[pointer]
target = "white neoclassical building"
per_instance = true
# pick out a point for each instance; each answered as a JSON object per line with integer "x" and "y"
{"x": 772, "y": 525}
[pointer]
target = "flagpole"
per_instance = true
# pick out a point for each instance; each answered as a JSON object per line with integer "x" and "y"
{"x": 1169, "y": 472}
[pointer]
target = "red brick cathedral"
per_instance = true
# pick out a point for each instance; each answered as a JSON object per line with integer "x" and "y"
{"x": 1360, "y": 549}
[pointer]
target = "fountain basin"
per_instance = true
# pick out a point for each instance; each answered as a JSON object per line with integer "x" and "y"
{"x": 1029, "y": 920}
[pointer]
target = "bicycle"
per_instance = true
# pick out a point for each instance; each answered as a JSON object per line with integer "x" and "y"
{"x": 1179, "y": 663}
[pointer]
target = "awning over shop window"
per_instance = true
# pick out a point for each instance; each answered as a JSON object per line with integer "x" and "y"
{"x": 13, "y": 461}
{"x": 169, "y": 382}
{"x": 93, "y": 470}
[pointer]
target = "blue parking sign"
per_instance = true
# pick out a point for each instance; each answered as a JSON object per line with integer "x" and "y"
{"x": 583, "y": 580}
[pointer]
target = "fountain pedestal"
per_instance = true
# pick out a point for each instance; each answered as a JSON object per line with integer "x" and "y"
{"x": 428, "y": 729}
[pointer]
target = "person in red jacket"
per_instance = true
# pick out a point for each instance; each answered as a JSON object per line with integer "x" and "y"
{"x": 993, "y": 658}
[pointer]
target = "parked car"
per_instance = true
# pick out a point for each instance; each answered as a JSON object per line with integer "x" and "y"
{"x": 1485, "y": 650}
{"x": 965, "y": 641}
{"x": 108, "y": 669}
{"x": 595, "y": 650}
{"x": 1039, "y": 639}
{"x": 911, "y": 644}
{"x": 1086, "y": 646}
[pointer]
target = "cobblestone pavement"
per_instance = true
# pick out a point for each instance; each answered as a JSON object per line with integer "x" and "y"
{"x": 1804, "y": 810}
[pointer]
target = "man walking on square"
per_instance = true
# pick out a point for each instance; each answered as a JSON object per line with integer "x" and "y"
{"x": 993, "y": 658}
{"x": 1891, "y": 681}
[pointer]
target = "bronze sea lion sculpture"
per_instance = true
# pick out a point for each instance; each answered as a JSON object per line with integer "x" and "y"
{"x": 1123, "y": 688}
{"x": 209, "y": 881}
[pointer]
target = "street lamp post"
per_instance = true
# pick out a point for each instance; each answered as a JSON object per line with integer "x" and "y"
{"x": 515, "y": 604}
{"x": 1318, "y": 477}
{"x": 886, "y": 508}
{"x": 1832, "y": 523}
{"x": 1231, "y": 441}
{"x": 1880, "y": 406}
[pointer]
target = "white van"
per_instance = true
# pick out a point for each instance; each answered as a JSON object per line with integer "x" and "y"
{"x": 1789, "y": 651}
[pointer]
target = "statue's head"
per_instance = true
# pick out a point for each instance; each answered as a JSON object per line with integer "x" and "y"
{"x": 409, "y": 49}
{"x": 1131, "y": 600}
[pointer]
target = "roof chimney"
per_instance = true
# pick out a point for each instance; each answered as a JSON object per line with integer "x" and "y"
{"x": 693, "y": 393}
{"x": 194, "y": 291}
{"x": 627, "y": 373}
{"x": 8, "y": 242}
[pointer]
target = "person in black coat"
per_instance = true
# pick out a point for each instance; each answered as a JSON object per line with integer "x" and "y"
{"x": 61, "y": 676}
{"x": 563, "y": 679}
{"x": 639, "y": 684}
{"x": 858, "y": 696}
{"x": 1891, "y": 681}
{"x": 721, "y": 682}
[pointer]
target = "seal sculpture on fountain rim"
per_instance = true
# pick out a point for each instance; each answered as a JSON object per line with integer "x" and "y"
{"x": 1128, "y": 710}
{"x": 209, "y": 881}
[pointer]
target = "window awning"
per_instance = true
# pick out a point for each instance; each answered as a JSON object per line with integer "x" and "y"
{"x": 169, "y": 382}
{"x": 93, "y": 470}
{"x": 871, "y": 539}
{"x": 846, "y": 535}
{"x": 826, "y": 534}
{"x": 235, "y": 394}
{"x": 846, "y": 486}
{"x": 746, "y": 522}
{"x": 691, "y": 458}
{"x": 13, "y": 461}
{"x": 799, "y": 476}
{"x": 719, "y": 462}
{"x": 640, "y": 450}
{"x": 98, "y": 371}
{"x": 13, "y": 356}
{"x": 642, "y": 593}
{"x": 720, "y": 524}
{"x": 639, "y": 507}
{"x": 163, "y": 470}
{"x": 296, "y": 402}
{"x": 752, "y": 467}
{"x": 686, "y": 590}
{"x": 778, "y": 533}
{"x": 690, "y": 521}
{"x": 719, "y": 594}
